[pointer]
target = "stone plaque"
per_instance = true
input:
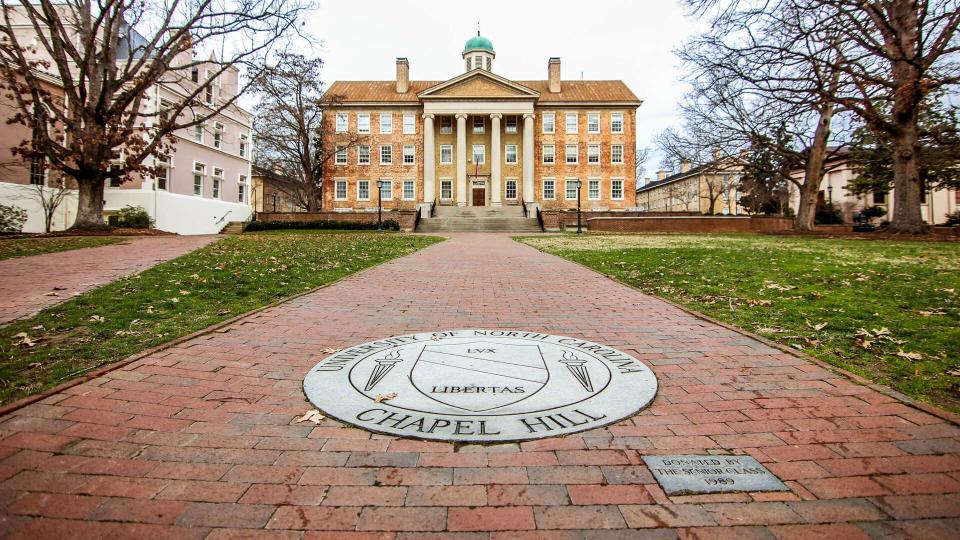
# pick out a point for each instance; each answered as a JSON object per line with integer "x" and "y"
{"x": 688, "y": 474}
{"x": 480, "y": 385}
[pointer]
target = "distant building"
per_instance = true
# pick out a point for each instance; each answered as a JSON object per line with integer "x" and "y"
{"x": 273, "y": 192}
{"x": 693, "y": 188}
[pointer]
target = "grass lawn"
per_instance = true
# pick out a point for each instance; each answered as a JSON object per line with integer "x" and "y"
{"x": 175, "y": 298}
{"x": 887, "y": 310}
{"x": 23, "y": 247}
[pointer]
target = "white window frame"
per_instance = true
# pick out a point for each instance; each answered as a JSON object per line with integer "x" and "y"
{"x": 410, "y": 151}
{"x": 552, "y": 117}
{"x": 566, "y": 188}
{"x": 613, "y": 117}
{"x": 361, "y": 184}
{"x": 218, "y": 131}
{"x": 591, "y": 183}
{"x": 386, "y": 123}
{"x": 386, "y": 194}
{"x": 198, "y": 133}
{"x": 363, "y": 119}
{"x": 199, "y": 170}
{"x": 449, "y": 148}
{"x": 448, "y": 128}
{"x": 510, "y": 124}
{"x": 593, "y": 157}
{"x": 576, "y": 154}
{"x": 479, "y": 125}
{"x": 337, "y": 184}
{"x": 507, "y": 151}
{"x": 553, "y": 187}
{"x": 552, "y": 154}
{"x": 166, "y": 165}
{"x": 566, "y": 123}
{"x": 590, "y": 119}
{"x": 613, "y": 181}
{"x": 242, "y": 188}
{"x": 341, "y": 157}
{"x": 413, "y": 189}
{"x": 409, "y": 124}
{"x": 342, "y": 122}
{"x": 360, "y": 150}
{"x": 244, "y": 142}
{"x": 482, "y": 154}
{"x": 446, "y": 184}
{"x": 613, "y": 154}
{"x": 506, "y": 189}
{"x": 389, "y": 148}
{"x": 217, "y": 183}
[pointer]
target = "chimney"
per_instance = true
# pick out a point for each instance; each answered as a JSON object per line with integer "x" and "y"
{"x": 553, "y": 70}
{"x": 646, "y": 180}
{"x": 684, "y": 166}
{"x": 403, "y": 75}
{"x": 661, "y": 174}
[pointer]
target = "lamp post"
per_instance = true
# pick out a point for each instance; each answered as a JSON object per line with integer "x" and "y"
{"x": 379, "y": 205}
{"x": 830, "y": 194}
{"x": 579, "y": 185}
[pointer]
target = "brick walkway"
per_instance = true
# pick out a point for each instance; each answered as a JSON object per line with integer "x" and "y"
{"x": 25, "y": 281}
{"x": 198, "y": 440}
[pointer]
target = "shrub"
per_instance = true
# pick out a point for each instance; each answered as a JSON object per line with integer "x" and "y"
{"x": 388, "y": 224}
{"x": 828, "y": 214}
{"x": 874, "y": 212}
{"x": 12, "y": 218}
{"x": 134, "y": 217}
{"x": 953, "y": 218}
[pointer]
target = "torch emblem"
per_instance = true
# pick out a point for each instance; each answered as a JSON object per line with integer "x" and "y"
{"x": 384, "y": 365}
{"x": 578, "y": 370}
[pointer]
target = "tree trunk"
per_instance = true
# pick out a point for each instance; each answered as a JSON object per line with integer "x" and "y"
{"x": 89, "y": 204}
{"x": 813, "y": 174}
{"x": 907, "y": 192}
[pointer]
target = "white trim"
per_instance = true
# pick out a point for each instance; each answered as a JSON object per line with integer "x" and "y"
{"x": 576, "y": 154}
{"x": 388, "y": 181}
{"x": 384, "y": 115}
{"x": 346, "y": 189}
{"x": 566, "y": 125}
{"x": 341, "y": 151}
{"x": 442, "y": 147}
{"x": 553, "y": 154}
{"x": 363, "y": 115}
{"x": 612, "y": 162}
{"x": 382, "y": 146}
{"x": 243, "y": 188}
{"x": 202, "y": 173}
{"x": 506, "y": 191}
{"x": 360, "y": 154}
{"x": 543, "y": 188}
{"x": 599, "y": 189}
{"x": 623, "y": 121}
{"x": 346, "y": 122}
{"x": 597, "y": 115}
{"x": 506, "y": 154}
{"x": 403, "y": 121}
{"x": 360, "y": 181}
{"x": 216, "y": 183}
{"x": 623, "y": 188}
{"x": 413, "y": 154}
{"x": 446, "y": 180}
{"x": 597, "y": 162}
{"x": 403, "y": 189}
{"x": 543, "y": 123}
{"x": 483, "y": 154}
{"x": 566, "y": 185}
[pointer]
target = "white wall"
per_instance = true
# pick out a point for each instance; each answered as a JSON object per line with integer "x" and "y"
{"x": 182, "y": 214}
{"x": 25, "y": 196}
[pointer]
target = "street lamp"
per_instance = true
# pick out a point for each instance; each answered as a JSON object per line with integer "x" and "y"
{"x": 579, "y": 184}
{"x": 830, "y": 194}
{"x": 379, "y": 205}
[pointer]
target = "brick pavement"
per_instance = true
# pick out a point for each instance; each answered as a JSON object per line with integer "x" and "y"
{"x": 26, "y": 281}
{"x": 199, "y": 440}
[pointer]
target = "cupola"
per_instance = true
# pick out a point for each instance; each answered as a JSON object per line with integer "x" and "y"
{"x": 478, "y": 53}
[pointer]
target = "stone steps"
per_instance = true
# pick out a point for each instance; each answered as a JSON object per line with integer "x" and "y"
{"x": 234, "y": 227}
{"x": 478, "y": 224}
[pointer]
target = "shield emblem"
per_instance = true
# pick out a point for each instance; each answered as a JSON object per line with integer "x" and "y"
{"x": 481, "y": 375}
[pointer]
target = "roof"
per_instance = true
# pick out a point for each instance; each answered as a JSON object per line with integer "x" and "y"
{"x": 694, "y": 171}
{"x": 571, "y": 91}
{"x": 478, "y": 42}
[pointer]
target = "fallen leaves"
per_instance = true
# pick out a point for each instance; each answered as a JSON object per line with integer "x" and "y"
{"x": 778, "y": 287}
{"x": 96, "y": 318}
{"x": 23, "y": 339}
{"x": 909, "y": 355}
{"x": 384, "y": 397}
{"x": 313, "y": 415}
{"x": 818, "y": 326}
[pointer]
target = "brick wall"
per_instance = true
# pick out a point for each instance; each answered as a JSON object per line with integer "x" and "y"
{"x": 557, "y": 220}
{"x": 407, "y": 219}
{"x": 689, "y": 224}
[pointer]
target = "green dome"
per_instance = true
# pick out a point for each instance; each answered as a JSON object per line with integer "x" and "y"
{"x": 478, "y": 42}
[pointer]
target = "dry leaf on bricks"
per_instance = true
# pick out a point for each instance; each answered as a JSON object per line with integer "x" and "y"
{"x": 313, "y": 415}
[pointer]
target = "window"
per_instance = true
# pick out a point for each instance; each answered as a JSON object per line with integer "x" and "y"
{"x": 616, "y": 123}
{"x": 570, "y": 123}
{"x": 363, "y": 154}
{"x": 343, "y": 120}
{"x": 409, "y": 190}
{"x": 616, "y": 188}
{"x": 363, "y": 190}
{"x": 479, "y": 154}
{"x": 446, "y": 189}
{"x": 218, "y": 135}
{"x": 386, "y": 122}
{"x": 616, "y": 154}
{"x": 195, "y": 74}
{"x": 571, "y": 153}
{"x": 340, "y": 190}
{"x": 548, "y": 156}
{"x": 477, "y": 62}
{"x": 446, "y": 154}
{"x": 511, "y": 124}
{"x": 511, "y": 154}
{"x": 164, "y": 111}
{"x": 199, "y": 170}
{"x": 593, "y": 189}
{"x": 38, "y": 170}
{"x": 386, "y": 154}
{"x": 593, "y": 122}
{"x": 548, "y": 123}
{"x": 409, "y": 124}
{"x": 208, "y": 91}
{"x": 479, "y": 123}
{"x": 572, "y": 189}
{"x": 548, "y": 188}
{"x": 593, "y": 154}
{"x": 243, "y": 146}
{"x": 242, "y": 189}
{"x": 409, "y": 153}
{"x": 446, "y": 124}
{"x": 198, "y": 133}
{"x": 363, "y": 123}
{"x": 879, "y": 197}
{"x": 511, "y": 191}
{"x": 163, "y": 174}
{"x": 386, "y": 189}
{"x": 341, "y": 157}
{"x": 217, "y": 182}
{"x": 489, "y": 63}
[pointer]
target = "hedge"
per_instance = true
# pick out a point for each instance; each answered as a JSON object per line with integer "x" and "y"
{"x": 388, "y": 225}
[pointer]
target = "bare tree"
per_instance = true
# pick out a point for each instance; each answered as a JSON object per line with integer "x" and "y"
{"x": 719, "y": 185}
{"x": 49, "y": 198}
{"x": 686, "y": 194}
{"x": 643, "y": 154}
{"x": 288, "y": 129}
{"x": 108, "y": 58}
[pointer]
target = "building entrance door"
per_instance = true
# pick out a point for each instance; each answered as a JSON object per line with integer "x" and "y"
{"x": 479, "y": 196}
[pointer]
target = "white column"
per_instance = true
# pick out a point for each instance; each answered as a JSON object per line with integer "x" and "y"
{"x": 528, "y": 195}
{"x": 461, "y": 159}
{"x": 429, "y": 161}
{"x": 495, "y": 159}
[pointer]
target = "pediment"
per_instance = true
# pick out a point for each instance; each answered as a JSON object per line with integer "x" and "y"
{"x": 479, "y": 84}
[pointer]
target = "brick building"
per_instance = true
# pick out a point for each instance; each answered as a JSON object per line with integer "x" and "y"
{"x": 480, "y": 139}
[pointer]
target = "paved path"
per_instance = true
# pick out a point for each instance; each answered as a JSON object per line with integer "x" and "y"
{"x": 198, "y": 440}
{"x": 26, "y": 281}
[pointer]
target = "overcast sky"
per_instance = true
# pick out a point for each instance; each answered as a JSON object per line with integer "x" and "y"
{"x": 601, "y": 39}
